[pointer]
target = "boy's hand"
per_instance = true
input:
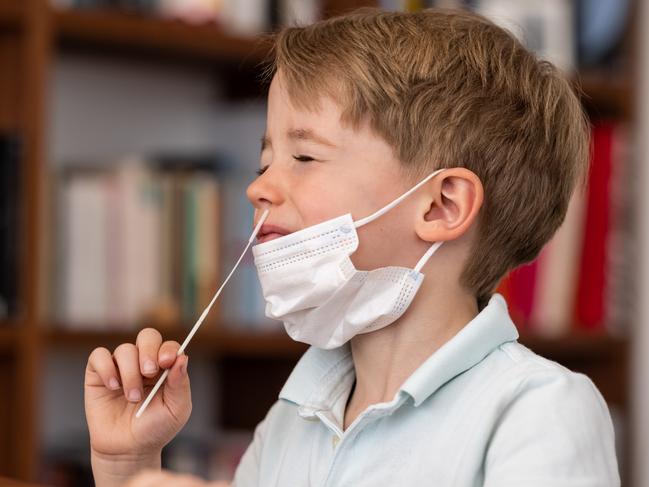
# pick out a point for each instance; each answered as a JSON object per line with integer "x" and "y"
{"x": 116, "y": 385}
{"x": 167, "y": 479}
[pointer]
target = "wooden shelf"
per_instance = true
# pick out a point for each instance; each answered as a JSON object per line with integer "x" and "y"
{"x": 276, "y": 343}
{"x": 220, "y": 342}
{"x": 134, "y": 35}
{"x": 605, "y": 94}
{"x": 118, "y": 31}
{"x": 577, "y": 346}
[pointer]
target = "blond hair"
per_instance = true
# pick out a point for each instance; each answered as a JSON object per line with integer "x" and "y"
{"x": 449, "y": 88}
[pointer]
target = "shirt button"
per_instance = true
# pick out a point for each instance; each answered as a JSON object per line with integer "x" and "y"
{"x": 334, "y": 441}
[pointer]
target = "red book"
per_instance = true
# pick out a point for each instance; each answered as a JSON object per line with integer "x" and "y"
{"x": 590, "y": 305}
{"x": 522, "y": 285}
{"x": 518, "y": 290}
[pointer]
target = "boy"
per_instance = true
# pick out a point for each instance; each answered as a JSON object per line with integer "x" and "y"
{"x": 360, "y": 109}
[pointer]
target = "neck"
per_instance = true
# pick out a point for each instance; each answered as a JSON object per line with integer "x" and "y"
{"x": 384, "y": 359}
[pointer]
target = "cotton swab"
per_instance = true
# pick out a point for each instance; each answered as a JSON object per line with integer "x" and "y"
{"x": 196, "y": 326}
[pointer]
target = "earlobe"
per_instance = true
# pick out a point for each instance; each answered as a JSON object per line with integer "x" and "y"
{"x": 450, "y": 205}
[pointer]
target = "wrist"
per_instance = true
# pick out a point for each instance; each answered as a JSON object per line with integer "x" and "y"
{"x": 114, "y": 470}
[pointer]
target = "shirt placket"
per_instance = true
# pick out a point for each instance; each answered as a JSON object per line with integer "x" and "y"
{"x": 343, "y": 440}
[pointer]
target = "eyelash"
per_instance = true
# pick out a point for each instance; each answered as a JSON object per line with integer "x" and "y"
{"x": 303, "y": 158}
{"x": 300, "y": 158}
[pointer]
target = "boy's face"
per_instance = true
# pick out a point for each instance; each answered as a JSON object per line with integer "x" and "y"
{"x": 315, "y": 168}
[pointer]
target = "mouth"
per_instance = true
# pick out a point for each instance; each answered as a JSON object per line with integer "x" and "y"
{"x": 270, "y": 232}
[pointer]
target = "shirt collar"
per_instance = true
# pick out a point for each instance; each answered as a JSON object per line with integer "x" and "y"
{"x": 491, "y": 328}
{"x": 322, "y": 375}
{"x": 318, "y": 376}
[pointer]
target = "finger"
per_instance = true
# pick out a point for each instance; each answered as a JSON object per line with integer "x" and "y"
{"x": 177, "y": 392}
{"x": 148, "y": 343}
{"x": 167, "y": 353}
{"x": 126, "y": 357}
{"x": 101, "y": 362}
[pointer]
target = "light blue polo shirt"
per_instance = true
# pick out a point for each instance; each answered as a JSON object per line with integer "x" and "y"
{"x": 483, "y": 410}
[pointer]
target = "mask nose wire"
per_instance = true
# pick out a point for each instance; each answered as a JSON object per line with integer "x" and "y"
{"x": 389, "y": 206}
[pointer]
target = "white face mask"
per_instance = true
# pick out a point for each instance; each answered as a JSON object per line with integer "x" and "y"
{"x": 310, "y": 283}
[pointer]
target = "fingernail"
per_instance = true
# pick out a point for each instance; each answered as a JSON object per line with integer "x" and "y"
{"x": 134, "y": 395}
{"x": 113, "y": 384}
{"x": 149, "y": 367}
{"x": 183, "y": 368}
{"x": 166, "y": 358}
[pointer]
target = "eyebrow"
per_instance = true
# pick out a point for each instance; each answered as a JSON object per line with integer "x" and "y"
{"x": 299, "y": 134}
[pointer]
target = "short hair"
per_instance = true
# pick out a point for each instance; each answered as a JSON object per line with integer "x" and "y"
{"x": 449, "y": 88}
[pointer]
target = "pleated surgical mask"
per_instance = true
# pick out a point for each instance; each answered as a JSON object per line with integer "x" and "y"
{"x": 310, "y": 283}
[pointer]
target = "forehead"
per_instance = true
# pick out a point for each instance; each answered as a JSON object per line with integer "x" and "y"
{"x": 316, "y": 103}
{"x": 322, "y": 115}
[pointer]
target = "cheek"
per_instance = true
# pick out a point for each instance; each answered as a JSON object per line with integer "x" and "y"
{"x": 320, "y": 202}
{"x": 320, "y": 207}
{"x": 388, "y": 241}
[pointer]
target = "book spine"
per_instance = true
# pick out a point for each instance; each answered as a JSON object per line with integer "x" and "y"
{"x": 592, "y": 280}
{"x": 558, "y": 273}
{"x": 10, "y": 200}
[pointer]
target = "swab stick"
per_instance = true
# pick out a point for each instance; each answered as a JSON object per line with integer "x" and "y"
{"x": 198, "y": 323}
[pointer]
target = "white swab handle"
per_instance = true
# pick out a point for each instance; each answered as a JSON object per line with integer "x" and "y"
{"x": 200, "y": 320}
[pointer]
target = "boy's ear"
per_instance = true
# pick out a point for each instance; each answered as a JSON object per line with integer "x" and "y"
{"x": 450, "y": 206}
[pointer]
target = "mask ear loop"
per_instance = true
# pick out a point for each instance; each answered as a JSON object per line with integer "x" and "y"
{"x": 389, "y": 206}
{"x": 429, "y": 253}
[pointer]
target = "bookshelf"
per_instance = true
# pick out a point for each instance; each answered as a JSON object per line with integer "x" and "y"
{"x": 116, "y": 31}
{"x": 606, "y": 94}
{"x": 31, "y": 35}
{"x": 239, "y": 343}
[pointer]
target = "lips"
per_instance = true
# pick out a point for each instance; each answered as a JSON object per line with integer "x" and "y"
{"x": 271, "y": 232}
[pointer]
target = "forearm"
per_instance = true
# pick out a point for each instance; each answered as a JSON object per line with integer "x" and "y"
{"x": 111, "y": 471}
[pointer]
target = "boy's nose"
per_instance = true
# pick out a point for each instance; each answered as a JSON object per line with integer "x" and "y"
{"x": 264, "y": 192}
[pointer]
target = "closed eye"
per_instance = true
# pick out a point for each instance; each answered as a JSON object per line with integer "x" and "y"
{"x": 303, "y": 158}
{"x": 300, "y": 158}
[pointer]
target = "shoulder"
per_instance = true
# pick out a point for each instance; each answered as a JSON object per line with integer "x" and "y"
{"x": 521, "y": 389}
{"x": 549, "y": 420}
{"x": 525, "y": 372}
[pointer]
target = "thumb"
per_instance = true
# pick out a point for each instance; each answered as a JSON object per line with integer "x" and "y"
{"x": 177, "y": 393}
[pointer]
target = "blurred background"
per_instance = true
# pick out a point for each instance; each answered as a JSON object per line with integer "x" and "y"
{"x": 129, "y": 130}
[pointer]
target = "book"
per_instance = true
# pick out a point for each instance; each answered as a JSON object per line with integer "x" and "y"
{"x": 558, "y": 272}
{"x": 546, "y": 28}
{"x": 621, "y": 254}
{"x": 138, "y": 245}
{"x": 10, "y": 228}
{"x": 243, "y": 303}
{"x": 590, "y": 305}
{"x": 580, "y": 281}
{"x": 84, "y": 243}
{"x": 207, "y": 242}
